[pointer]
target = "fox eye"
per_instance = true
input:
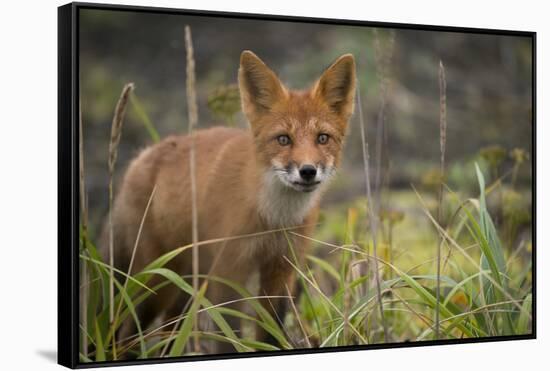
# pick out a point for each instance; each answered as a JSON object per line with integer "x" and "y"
{"x": 322, "y": 138}
{"x": 283, "y": 140}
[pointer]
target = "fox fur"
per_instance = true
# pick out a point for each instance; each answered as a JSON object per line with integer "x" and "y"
{"x": 248, "y": 181}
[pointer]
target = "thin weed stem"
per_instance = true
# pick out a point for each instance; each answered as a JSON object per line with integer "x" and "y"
{"x": 372, "y": 213}
{"x": 116, "y": 133}
{"x": 193, "y": 122}
{"x": 442, "y": 143}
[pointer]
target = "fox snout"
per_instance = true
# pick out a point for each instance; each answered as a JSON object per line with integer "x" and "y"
{"x": 304, "y": 177}
{"x": 308, "y": 172}
{"x": 308, "y": 178}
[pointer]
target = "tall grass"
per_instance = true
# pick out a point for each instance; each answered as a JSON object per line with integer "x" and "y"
{"x": 84, "y": 231}
{"x": 480, "y": 296}
{"x": 442, "y": 144}
{"x": 116, "y": 133}
{"x": 373, "y": 217}
{"x": 481, "y": 289}
{"x": 193, "y": 122}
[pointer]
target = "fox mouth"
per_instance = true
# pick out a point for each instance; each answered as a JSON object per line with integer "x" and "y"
{"x": 306, "y": 187}
{"x": 290, "y": 178}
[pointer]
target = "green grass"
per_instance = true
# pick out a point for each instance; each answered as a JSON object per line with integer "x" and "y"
{"x": 486, "y": 288}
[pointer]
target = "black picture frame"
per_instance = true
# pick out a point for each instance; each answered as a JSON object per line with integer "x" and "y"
{"x": 68, "y": 180}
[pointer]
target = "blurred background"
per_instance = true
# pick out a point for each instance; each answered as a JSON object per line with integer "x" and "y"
{"x": 489, "y": 102}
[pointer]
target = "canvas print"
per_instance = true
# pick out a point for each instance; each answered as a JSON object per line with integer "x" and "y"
{"x": 262, "y": 185}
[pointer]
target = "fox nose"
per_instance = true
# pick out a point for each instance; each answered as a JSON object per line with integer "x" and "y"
{"x": 308, "y": 172}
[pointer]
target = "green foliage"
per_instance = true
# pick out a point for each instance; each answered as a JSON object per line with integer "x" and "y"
{"x": 338, "y": 301}
{"x": 184, "y": 332}
{"x": 486, "y": 286}
{"x": 225, "y": 103}
{"x": 494, "y": 156}
{"x": 144, "y": 118}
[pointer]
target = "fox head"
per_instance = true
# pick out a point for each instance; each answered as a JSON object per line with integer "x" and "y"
{"x": 298, "y": 135}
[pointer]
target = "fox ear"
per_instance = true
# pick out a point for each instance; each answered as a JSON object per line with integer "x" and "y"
{"x": 337, "y": 86}
{"x": 259, "y": 86}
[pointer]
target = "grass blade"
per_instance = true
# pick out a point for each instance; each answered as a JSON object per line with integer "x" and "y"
{"x": 213, "y": 313}
{"x": 146, "y": 121}
{"x": 99, "y": 348}
{"x": 185, "y": 330}
{"x": 325, "y": 266}
{"x": 523, "y": 320}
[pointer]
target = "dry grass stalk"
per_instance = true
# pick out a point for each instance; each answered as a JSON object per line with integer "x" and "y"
{"x": 442, "y": 143}
{"x": 278, "y": 318}
{"x": 116, "y": 132}
{"x": 383, "y": 61}
{"x": 138, "y": 237}
{"x": 193, "y": 121}
{"x": 373, "y": 215}
{"x": 116, "y": 127}
{"x": 347, "y": 304}
{"x": 298, "y": 319}
{"x": 84, "y": 225}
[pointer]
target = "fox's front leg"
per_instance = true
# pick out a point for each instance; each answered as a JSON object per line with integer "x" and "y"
{"x": 277, "y": 278}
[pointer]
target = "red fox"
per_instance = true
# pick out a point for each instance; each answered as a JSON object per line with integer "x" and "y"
{"x": 248, "y": 181}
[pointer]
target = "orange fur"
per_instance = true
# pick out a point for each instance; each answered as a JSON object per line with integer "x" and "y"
{"x": 247, "y": 182}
